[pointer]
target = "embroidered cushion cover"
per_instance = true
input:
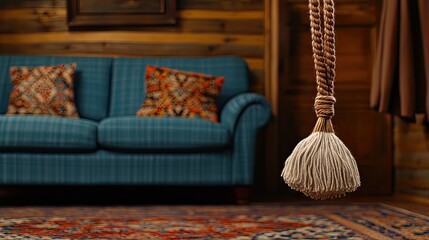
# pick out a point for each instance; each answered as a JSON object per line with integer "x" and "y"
{"x": 43, "y": 90}
{"x": 180, "y": 94}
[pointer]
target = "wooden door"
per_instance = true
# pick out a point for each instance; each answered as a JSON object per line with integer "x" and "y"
{"x": 366, "y": 133}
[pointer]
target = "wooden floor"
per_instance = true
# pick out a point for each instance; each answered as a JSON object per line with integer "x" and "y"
{"x": 116, "y": 195}
{"x": 417, "y": 204}
{"x": 412, "y": 203}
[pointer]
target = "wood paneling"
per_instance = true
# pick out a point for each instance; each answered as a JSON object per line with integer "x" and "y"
{"x": 132, "y": 49}
{"x": 133, "y": 37}
{"x": 353, "y": 56}
{"x": 366, "y": 133}
{"x": 204, "y": 28}
{"x": 411, "y": 157}
{"x": 32, "y": 3}
{"x": 222, "y": 14}
{"x": 347, "y": 12}
{"x": 417, "y": 179}
{"x": 181, "y": 4}
{"x": 27, "y": 20}
{"x": 32, "y": 20}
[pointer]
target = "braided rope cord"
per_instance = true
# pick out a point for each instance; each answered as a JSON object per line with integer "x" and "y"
{"x": 323, "y": 44}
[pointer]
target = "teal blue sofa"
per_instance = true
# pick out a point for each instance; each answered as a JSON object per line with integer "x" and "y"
{"x": 110, "y": 145}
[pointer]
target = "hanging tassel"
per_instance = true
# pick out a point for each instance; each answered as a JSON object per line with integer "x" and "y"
{"x": 321, "y": 166}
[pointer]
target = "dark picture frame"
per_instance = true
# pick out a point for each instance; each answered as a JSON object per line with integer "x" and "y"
{"x": 108, "y": 13}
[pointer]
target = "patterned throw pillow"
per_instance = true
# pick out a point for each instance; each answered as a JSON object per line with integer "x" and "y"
{"x": 182, "y": 94}
{"x": 43, "y": 90}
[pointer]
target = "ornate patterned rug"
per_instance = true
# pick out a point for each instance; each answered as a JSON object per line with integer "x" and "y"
{"x": 297, "y": 221}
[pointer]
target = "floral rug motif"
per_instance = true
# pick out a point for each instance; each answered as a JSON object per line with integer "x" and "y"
{"x": 296, "y": 221}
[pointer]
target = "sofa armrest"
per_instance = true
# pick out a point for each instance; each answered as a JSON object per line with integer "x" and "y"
{"x": 244, "y": 115}
{"x": 234, "y": 109}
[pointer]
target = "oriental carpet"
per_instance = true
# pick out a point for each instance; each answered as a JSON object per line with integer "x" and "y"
{"x": 255, "y": 221}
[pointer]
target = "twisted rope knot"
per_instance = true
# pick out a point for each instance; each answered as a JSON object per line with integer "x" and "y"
{"x": 324, "y": 106}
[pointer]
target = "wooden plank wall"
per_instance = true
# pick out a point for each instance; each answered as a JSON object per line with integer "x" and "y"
{"x": 411, "y": 158}
{"x": 204, "y": 28}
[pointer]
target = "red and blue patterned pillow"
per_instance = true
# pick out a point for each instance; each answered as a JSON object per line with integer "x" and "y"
{"x": 43, "y": 90}
{"x": 178, "y": 93}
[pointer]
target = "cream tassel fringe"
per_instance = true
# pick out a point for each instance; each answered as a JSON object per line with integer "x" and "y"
{"x": 321, "y": 167}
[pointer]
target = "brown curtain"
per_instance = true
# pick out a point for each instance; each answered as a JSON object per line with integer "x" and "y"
{"x": 400, "y": 79}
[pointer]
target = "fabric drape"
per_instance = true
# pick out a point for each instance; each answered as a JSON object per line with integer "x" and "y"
{"x": 400, "y": 79}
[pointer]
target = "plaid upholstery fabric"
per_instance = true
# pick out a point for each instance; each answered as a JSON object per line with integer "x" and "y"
{"x": 128, "y": 81}
{"x": 5, "y": 84}
{"x": 167, "y": 133}
{"x": 43, "y": 132}
{"x": 91, "y": 86}
{"x": 245, "y": 136}
{"x": 244, "y": 115}
{"x": 235, "y": 107}
{"x": 116, "y": 168}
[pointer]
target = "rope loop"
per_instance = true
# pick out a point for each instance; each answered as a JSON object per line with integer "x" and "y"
{"x": 324, "y": 106}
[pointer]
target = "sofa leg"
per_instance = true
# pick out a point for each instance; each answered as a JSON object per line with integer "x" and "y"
{"x": 242, "y": 194}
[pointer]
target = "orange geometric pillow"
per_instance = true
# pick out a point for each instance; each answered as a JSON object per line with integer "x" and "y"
{"x": 43, "y": 90}
{"x": 177, "y": 93}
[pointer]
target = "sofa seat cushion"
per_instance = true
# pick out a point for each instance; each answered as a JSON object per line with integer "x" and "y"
{"x": 166, "y": 133}
{"x": 47, "y": 133}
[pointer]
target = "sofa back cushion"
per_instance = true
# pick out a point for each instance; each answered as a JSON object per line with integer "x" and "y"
{"x": 128, "y": 78}
{"x": 91, "y": 84}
